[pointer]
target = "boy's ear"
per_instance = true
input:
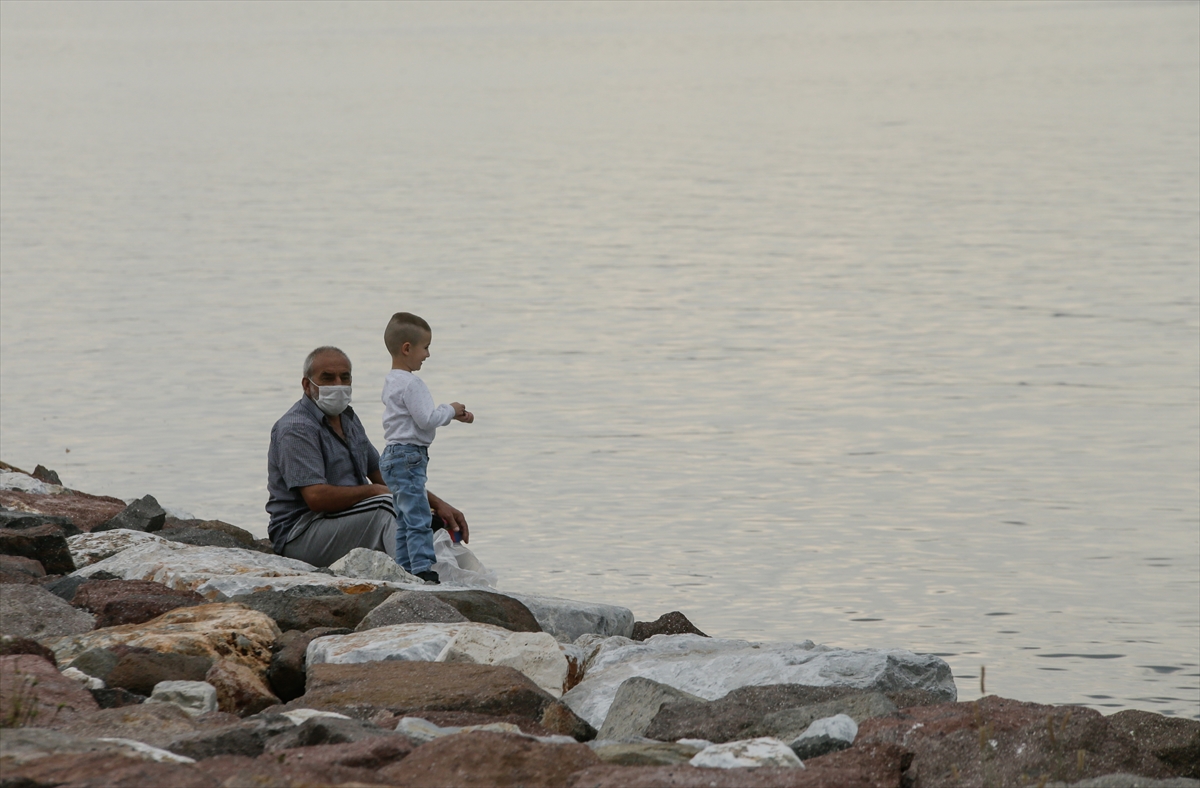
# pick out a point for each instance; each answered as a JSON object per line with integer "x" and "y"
{"x": 406, "y": 348}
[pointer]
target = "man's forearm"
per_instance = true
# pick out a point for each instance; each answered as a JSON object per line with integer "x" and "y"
{"x": 334, "y": 498}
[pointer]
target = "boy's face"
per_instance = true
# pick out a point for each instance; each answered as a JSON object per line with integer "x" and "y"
{"x": 417, "y": 352}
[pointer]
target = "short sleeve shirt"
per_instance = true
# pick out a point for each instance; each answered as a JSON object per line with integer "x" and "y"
{"x": 305, "y": 450}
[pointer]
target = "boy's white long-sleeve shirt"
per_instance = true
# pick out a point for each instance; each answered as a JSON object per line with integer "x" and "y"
{"x": 409, "y": 415}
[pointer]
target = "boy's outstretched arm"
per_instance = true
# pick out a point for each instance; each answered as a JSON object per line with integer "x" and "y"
{"x": 453, "y": 518}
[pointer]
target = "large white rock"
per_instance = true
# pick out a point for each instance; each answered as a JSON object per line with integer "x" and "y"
{"x": 367, "y": 564}
{"x": 25, "y": 483}
{"x": 747, "y": 753}
{"x": 222, "y": 588}
{"x": 87, "y": 549}
{"x": 535, "y": 654}
{"x": 421, "y": 730}
{"x": 568, "y": 619}
{"x": 712, "y": 667}
{"x": 194, "y": 697}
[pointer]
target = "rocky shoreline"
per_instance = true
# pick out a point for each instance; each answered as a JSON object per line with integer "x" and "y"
{"x": 140, "y": 649}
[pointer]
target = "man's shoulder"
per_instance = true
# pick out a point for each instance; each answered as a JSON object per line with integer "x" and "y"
{"x": 296, "y": 419}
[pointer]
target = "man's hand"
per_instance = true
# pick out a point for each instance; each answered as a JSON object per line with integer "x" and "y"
{"x": 455, "y": 520}
{"x": 334, "y": 498}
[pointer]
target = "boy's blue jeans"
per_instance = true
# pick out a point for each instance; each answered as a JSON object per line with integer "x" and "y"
{"x": 404, "y": 471}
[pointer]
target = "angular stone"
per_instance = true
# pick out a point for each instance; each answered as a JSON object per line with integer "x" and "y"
{"x": 780, "y": 710}
{"x": 634, "y": 706}
{"x": 63, "y": 587}
{"x": 1173, "y": 740}
{"x": 139, "y": 669}
{"x": 45, "y": 543}
{"x": 633, "y": 753}
{"x": 90, "y": 548}
{"x": 309, "y": 607}
{"x": 32, "y": 612}
{"x": 673, "y": 623}
{"x": 20, "y": 570}
{"x": 826, "y": 735}
{"x": 536, "y": 654}
{"x": 367, "y": 564}
{"x": 116, "y": 602}
{"x": 22, "y": 520}
{"x": 495, "y": 759}
{"x": 194, "y": 697}
{"x": 156, "y": 724}
{"x": 286, "y": 675}
{"x": 240, "y": 690}
{"x": 143, "y": 514}
{"x": 420, "y": 730}
{"x": 287, "y": 769}
{"x": 116, "y": 697}
{"x": 44, "y": 474}
{"x": 20, "y": 480}
{"x": 34, "y": 693}
{"x": 559, "y": 719}
{"x": 408, "y": 688}
{"x": 791, "y": 723}
{"x": 463, "y": 719}
{"x": 410, "y": 607}
{"x": 91, "y": 682}
{"x": 712, "y": 667}
{"x": 81, "y": 510}
{"x": 373, "y": 752}
{"x": 324, "y": 730}
{"x": 996, "y": 740}
{"x": 214, "y": 631}
{"x": 228, "y": 587}
{"x": 488, "y": 607}
{"x": 234, "y": 740}
{"x": 199, "y": 537}
{"x": 568, "y": 619}
{"x": 23, "y": 745}
{"x": 13, "y": 645}
{"x": 107, "y": 768}
{"x": 747, "y": 753}
{"x": 209, "y": 571}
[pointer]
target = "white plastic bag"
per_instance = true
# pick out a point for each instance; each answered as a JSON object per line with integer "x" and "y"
{"x": 457, "y": 565}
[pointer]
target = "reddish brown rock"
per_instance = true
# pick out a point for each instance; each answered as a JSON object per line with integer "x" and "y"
{"x": 105, "y": 770}
{"x": 240, "y": 690}
{"x": 1173, "y": 740}
{"x": 157, "y": 724}
{"x": 673, "y": 623}
{"x": 139, "y": 669}
{"x": 374, "y": 752}
{"x": 487, "y": 607}
{"x": 34, "y": 693}
{"x": 232, "y": 771}
{"x": 85, "y": 511}
{"x": 996, "y": 741}
{"x": 116, "y": 602}
{"x": 362, "y": 690}
{"x": 495, "y": 759}
{"x": 19, "y": 569}
{"x": 46, "y": 544}
{"x": 12, "y": 645}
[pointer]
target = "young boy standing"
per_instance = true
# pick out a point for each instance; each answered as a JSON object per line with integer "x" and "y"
{"x": 409, "y": 421}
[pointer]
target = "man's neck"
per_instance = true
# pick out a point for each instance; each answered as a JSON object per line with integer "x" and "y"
{"x": 335, "y": 423}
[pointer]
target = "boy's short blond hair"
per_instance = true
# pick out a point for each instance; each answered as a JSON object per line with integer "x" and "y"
{"x": 404, "y": 327}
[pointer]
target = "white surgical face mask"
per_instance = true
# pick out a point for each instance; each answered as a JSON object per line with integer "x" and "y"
{"x": 332, "y": 400}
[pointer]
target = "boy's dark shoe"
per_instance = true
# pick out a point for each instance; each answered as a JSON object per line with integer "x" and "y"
{"x": 429, "y": 576}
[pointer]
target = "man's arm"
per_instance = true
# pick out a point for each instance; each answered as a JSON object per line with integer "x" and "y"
{"x": 332, "y": 498}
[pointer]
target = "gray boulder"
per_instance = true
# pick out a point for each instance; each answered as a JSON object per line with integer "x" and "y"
{"x": 32, "y": 612}
{"x": 790, "y": 723}
{"x": 643, "y": 753}
{"x": 410, "y": 607}
{"x": 143, "y": 514}
{"x": 637, "y": 702}
{"x": 45, "y": 543}
{"x": 309, "y": 607}
{"x": 487, "y": 607}
{"x": 325, "y": 730}
{"x": 194, "y": 697}
{"x": 568, "y": 619}
{"x": 826, "y": 735}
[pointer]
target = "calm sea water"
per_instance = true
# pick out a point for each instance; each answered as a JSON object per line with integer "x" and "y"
{"x": 871, "y": 324}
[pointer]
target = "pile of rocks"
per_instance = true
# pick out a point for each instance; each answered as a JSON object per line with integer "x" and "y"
{"x": 139, "y": 649}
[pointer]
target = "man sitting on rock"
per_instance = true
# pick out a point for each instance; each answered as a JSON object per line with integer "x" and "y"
{"x": 327, "y": 495}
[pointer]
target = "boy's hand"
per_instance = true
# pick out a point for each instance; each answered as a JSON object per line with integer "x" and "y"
{"x": 459, "y": 409}
{"x": 466, "y": 418}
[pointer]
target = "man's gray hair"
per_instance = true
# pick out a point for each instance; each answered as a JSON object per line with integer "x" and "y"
{"x": 308, "y": 362}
